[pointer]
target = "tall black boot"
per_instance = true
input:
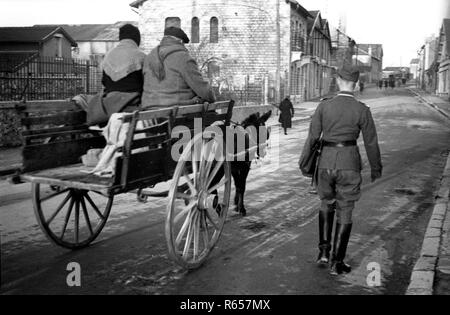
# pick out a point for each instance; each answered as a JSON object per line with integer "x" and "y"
{"x": 341, "y": 238}
{"x": 326, "y": 220}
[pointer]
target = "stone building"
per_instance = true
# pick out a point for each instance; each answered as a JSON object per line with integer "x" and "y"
{"x": 443, "y": 86}
{"x": 253, "y": 50}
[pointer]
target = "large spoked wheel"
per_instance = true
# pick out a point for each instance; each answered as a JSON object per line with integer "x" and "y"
{"x": 196, "y": 214}
{"x": 70, "y": 218}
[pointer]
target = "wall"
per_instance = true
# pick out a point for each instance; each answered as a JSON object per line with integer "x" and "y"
{"x": 247, "y": 50}
{"x": 50, "y": 48}
{"x": 86, "y": 49}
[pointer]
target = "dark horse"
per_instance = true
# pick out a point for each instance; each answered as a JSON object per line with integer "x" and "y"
{"x": 240, "y": 168}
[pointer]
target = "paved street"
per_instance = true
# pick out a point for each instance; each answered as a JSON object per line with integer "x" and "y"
{"x": 273, "y": 250}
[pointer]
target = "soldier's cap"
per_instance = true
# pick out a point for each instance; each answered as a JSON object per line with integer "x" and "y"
{"x": 349, "y": 73}
{"x": 177, "y": 32}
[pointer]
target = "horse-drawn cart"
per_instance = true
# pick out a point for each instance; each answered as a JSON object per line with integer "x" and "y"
{"x": 72, "y": 206}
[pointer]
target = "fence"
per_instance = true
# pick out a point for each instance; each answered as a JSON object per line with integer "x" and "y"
{"x": 32, "y": 77}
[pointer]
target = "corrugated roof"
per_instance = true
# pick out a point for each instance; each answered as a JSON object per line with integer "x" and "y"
{"x": 34, "y": 34}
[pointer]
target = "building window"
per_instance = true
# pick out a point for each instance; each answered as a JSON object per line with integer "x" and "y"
{"x": 214, "y": 30}
{"x": 59, "y": 46}
{"x": 173, "y": 21}
{"x": 195, "y": 30}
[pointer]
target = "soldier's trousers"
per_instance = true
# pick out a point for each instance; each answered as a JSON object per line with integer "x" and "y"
{"x": 342, "y": 187}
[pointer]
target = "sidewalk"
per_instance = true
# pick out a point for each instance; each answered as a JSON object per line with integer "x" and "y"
{"x": 431, "y": 273}
{"x": 435, "y": 101}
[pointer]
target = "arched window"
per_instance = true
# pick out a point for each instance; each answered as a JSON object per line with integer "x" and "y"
{"x": 195, "y": 30}
{"x": 214, "y": 30}
{"x": 173, "y": 21}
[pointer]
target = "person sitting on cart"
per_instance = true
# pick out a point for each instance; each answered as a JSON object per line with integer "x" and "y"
{"x": 172, "y": 76}
{"x": 122, "y": 79}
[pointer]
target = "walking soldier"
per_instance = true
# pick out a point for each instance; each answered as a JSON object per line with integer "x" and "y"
{"x": 338, "y": 122}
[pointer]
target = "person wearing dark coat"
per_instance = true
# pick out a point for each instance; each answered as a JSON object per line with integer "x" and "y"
{"x": 172, "y": 76}
{"x": 286, "y": 113}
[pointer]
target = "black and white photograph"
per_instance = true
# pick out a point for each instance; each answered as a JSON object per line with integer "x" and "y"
{"x": 225, "y": 155}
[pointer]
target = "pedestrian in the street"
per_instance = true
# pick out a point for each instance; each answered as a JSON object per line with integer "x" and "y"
{"x": 380, "y": 84}
{"x": 361, "y": 87}
{"x": 338, "y": 123}
{"x": 172, "y": 76}
{"x": 286, "y": 113}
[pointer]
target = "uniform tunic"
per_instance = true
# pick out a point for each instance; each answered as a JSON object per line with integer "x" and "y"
{"x": 342, "y": 119}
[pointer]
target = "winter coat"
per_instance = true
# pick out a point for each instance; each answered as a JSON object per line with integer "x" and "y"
{"x": 287, "y": 111}
{"x": 172, "y": 77}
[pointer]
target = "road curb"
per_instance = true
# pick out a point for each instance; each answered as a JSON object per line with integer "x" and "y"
{"x": 434, "y": 106}
{"x": 423, "y": 276}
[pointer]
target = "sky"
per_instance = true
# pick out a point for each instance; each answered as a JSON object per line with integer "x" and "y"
{"x": 400, "y": 25}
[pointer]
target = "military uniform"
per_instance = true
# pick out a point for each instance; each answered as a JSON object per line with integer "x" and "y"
{"x": 338, "y": 122}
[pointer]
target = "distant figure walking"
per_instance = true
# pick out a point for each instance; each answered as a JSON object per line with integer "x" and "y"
{"x": 287, "y": 112}
{"x": 380, "y": 84}
{"x": 392, "y": 84}
{"x": 361, "y": 87}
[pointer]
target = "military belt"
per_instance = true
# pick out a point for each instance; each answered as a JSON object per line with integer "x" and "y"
{"x": 342, "y": 144}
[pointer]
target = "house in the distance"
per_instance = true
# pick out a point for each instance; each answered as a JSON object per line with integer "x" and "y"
{"x": 94, "y": 40}
{"x": 45, "y": 41}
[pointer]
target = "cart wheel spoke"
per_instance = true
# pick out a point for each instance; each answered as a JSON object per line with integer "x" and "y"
{"x": 191, "y": 185}
{"x": 196, "y": 229}
{"x": 205, "y": 230}
{"x": 222, "y": 182}
{"x": 183, "y": 229}
{"x": 184, "y": 196}
{"x": 209, "y": 162}
{"x": 86, "y": 216}
{"x": 214, "y": 172}
{"x": 66, "y": 221}
{"x": 58, "y": 210}
{"x": 184, "y": 211}
{"x": 100, "y": 215}
{"x": 46, "y": 198}
{"x": 187, "y": 245}
{"x": 208, "y": 216}
{"x": 77, "y": 221}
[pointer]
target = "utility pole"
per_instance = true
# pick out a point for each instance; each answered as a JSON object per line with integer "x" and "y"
{"x": 278, "y": 71}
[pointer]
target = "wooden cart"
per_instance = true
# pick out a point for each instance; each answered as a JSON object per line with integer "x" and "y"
{"x": 72, "y": 206}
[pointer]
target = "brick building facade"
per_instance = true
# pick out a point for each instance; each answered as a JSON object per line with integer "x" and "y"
{"x": 245, "y": 48}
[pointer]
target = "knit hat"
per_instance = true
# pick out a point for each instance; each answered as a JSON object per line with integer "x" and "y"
{"x": 177, "y": 32}
{"x": 129, "y": 31}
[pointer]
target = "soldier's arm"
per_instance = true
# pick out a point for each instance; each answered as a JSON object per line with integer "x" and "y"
{"x": 370, "y": 136}
{"x": 194, "y": 79}
{"x": 315, "y": 129}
